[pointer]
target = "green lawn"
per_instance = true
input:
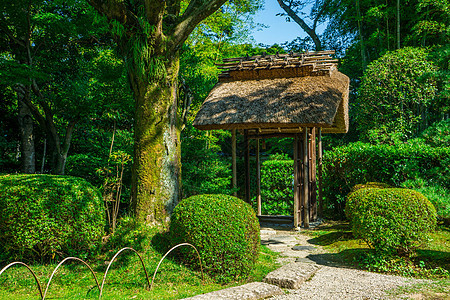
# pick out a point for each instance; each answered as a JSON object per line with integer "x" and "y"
{"x": 432, "y": 259}
{"x": 126, "y": 278}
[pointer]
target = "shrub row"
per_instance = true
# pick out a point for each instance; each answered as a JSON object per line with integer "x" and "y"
{"x": 346, "y": 166}
{"x": 43, "y": 216}
{"x": 277, "y": 187}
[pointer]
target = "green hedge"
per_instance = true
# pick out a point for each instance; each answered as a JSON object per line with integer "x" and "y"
{"x": 43, "y": 216}
{"x": 277, "y": 193}
{"x": 225, "y": 231}
{"x": 346, "y": 166}
{"x": 392, "y": 220}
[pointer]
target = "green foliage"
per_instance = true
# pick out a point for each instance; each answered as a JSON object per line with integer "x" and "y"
{"x": 370, "y": 185}
{"x": 396, "y": 83}
{"x": 346, "y": 166}
{"x": 225, "y": 231}
{"x": 438, "y": 195}
{"x": 438, "y": 134}
{"x": 277, "y": 187}
{"x": 204, "y": 171}
{"x": 44, "y": 216}
{"x": 391, "y": 221}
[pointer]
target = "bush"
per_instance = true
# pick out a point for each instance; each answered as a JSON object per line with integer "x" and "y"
{"x": 393, "y": 220}
{"x": 42, "y": 216}
{"x": 370, "y": 185}
{"x": 204, "y": 170}
{"x": 438, "y": 134}
{"x": 396, "y": 82}
{"x": 438, "y": 196}
{"x": 346, "y": 166}
{"x": 225, "y": 231}
{"x": 277, "y": 183}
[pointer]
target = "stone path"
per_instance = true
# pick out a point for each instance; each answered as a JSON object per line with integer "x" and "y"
{"x": 307, "y": 274}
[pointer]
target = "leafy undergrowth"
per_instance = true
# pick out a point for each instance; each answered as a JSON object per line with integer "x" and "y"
{"x": 431, "y": 260}
{"x": 126, "y": 278}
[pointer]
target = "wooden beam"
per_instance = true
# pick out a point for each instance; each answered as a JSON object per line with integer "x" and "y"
{"x": 247, "y": 166}
{"x": 305, "y": 179}
{"x": 258, "y": 179}
{"x": 233, "y": 158}
{"x": 320, "y": 166}
{"x": 312, "y": 178}
{"x": 270, "y": 135}
{"x": 296, "y": 182}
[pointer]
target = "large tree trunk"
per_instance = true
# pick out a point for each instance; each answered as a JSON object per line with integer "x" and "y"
{"x": 157, "y": 149}
{"x": 27, "y": 150}
{"x": 148, "y": 37}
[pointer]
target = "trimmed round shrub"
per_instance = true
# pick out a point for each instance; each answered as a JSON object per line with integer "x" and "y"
{"x": 43, "y": 216}
{"x": 223, "y": 228}
{"x": 370, "y": 185}
{"x": 393, "y": 220}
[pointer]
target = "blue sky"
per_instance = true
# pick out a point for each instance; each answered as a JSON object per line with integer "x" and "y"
{"x": 279, "y": 30}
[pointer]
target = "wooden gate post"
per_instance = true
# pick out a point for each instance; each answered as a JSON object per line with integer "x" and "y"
{"x": 247, "y": 166}
{"x": 258, "y": 178}
{"x": 320, "y": 173}
{"x": 296, "y": 186}
{"x": 305, "y": 179}
{"x": 233, "y": 158}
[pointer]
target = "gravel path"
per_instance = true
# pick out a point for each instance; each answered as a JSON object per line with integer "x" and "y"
{"x": 339, "y": 283}
{"x": 329, "y": 281}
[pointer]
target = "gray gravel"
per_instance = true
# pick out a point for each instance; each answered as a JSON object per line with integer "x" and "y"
{"x": 340, "y": 283}
{"x": 329, "y": 281}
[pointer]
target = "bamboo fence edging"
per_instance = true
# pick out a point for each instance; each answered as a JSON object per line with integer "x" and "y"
{"x": 63, "y": 261}
{"x": 100, "y": 288}
{"x": 24, "y": 264}
{"x": 167, "y": 253}
{"x": 112, "y": 260}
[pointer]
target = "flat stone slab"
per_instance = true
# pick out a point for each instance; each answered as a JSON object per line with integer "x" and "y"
{"x": 249, "y": 291}
{"x": 282, "y": 239}
{"x": 304, "y": 248}
{"x": 292, "y": 275}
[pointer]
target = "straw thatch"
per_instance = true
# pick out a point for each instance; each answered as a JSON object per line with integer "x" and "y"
{"x": 277, "y": 101}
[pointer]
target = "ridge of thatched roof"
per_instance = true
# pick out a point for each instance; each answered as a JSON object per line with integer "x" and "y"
{"x": 279, "y": 98}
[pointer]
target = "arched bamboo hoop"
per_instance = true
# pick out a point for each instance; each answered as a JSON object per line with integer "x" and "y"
{"x": 173, "y": 248}
{"x": 63, "y": 261}
{"x": 23, "y": 264}
{"x": 112, "y": 260}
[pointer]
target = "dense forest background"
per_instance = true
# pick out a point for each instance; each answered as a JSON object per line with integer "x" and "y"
{"x": 67, "y": 106}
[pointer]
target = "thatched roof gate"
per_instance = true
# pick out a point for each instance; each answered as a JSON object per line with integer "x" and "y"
{"x": 287, "y": 95}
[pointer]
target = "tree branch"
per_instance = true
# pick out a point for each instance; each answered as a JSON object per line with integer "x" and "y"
{"x": 310, "y": 31}
{"x": 11, "y": 36}
{"x": 68, "y": 136}
{"x": 196, "y": 12}
{"x": 115, "y": 10}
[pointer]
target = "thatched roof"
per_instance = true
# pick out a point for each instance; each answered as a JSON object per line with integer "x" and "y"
{"x": 278, "y": 100}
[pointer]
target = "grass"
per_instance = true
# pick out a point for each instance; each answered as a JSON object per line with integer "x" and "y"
{"x": 126, "y": 278}
{"x": 430, "y": 261}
